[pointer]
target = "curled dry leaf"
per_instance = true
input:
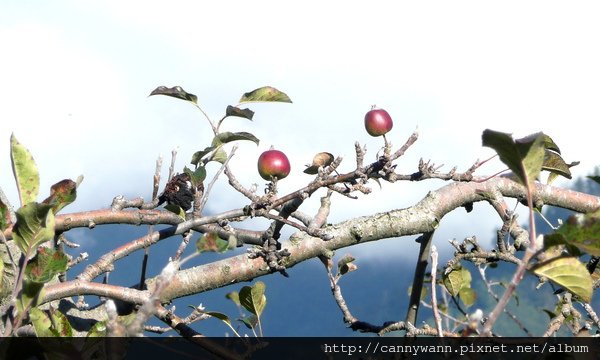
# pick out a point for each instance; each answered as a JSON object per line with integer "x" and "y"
{"x": 321, "y": 159}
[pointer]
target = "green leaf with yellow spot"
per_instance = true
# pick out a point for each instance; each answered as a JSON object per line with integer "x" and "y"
{"x": 46, "y": 265}
{"x": 265, "y": 94}
{"x": 25, "y": 171}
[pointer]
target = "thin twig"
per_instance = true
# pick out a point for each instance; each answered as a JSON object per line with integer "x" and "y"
{"x": 493, "y": 294}
{"x": 250, "y": 194}
{"x": 593, "y": 315}
{"x": 316, "y": 232}
{"x": 172, "y": 166}
{"x": 214, "y": 180}
{"x": 156, "y": 178}
{"x": 212, "y": 125}
{"x": 82, "y": 257}
{"x": 409, "y": 142}
{"x": 149, "y": 307}
{"x": 105, "y": 263}
{"x": 184, "y": 243}
{"x": 446, "y": 316}
{"x": 436, "y": 312}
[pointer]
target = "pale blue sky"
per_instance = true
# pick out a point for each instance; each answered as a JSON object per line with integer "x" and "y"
{"x": 76, "y": 75}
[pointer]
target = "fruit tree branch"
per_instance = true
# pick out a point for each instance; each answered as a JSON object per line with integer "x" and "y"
{"x": 421, "y": 218}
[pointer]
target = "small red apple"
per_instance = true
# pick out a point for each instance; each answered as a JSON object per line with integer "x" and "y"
{"x": 273, "y": 163}
{"x": 378, "y": 122}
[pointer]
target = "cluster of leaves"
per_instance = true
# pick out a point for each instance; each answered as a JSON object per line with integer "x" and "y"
{"x": 33, "y": 228}
{"x": 526, "y": 158}
{"x": 33, "y": 232}
{"x": 458, "y": 283}
{"x": 215, "y": 151}
{"x": 252, "y": 299}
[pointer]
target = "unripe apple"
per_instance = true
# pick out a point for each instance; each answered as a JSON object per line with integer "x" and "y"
{"x": 378, "y": 122}
{"x": 273, "y": 163}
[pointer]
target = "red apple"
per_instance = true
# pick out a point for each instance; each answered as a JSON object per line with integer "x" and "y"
{"x": 273, "y": 163}
{"x": 378, "y": 122}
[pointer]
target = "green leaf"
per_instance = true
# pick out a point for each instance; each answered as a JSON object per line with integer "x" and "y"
{"x": 98, "y": 330}
{"x": 531, "y": 149}
{"x": 197, "y": 175}
{"x": 595, "y": 178}
{"x": 227, "y": 136}
{"x": 467, "y": 296}
{"x": 5, "y": 220}
{"x": 453, "y": 282}
{"x": 265, "y": 94}
{"x": 345, "y": 264}
{"x": 524, "y": 157}
{"x": 234, "y": 296}
{"x": 42, "y": 323}
{"x": 456, "y": 280}
{"x": 34, "y": 226}
{"x": 250, "y": 321}
{"x": 211, "y": 242}
{"x": 553, "y": 175}
{"x": 46, "y": 265}
{"x": 176, "y": 209}
{"x": 25, "y": 171}
{"x": 569, "y": 273}
{"x": 581, "y": 231}
{"x": 176, "y": 92}
{"x": 30, "y": 295}
{"x": 253, "y": 298}
{"x": 62, "y": 194}
{"x": 549, "y": 144}
{"x": 224, "y": 318}
{"x": 236, "y": 111}
{"x": 554, "y": 163}
{"x": 61, "y": 324}
{"x": 198, "y": 155}
{"x": 219, "y": 156}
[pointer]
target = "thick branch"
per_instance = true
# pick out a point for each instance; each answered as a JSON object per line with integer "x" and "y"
{"x": 420, "y": 218}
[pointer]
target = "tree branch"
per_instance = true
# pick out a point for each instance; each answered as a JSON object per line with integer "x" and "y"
{"x": 421, "y": 218}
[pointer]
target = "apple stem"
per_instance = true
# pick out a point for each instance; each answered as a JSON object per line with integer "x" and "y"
{"x": 373, "y": 107}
